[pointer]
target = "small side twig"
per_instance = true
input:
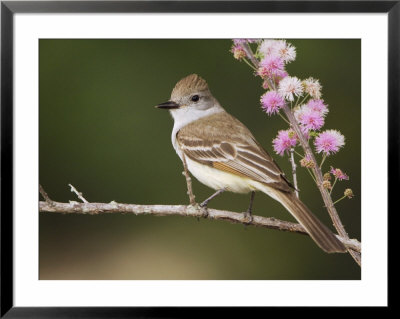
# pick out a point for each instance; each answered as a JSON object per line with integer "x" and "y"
{"x": 45, "y": 196}
{"x": 79, "y": 194}
{"x": 188, "y": 182}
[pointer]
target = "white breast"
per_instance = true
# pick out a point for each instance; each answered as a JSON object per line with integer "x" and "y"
{"x": 217, "y": 179}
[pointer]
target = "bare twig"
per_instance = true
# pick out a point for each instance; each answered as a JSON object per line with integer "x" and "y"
{"x": 179, "y": 210}
{"x": 44, "y": 194}
{"x": 74, "y": 190}
{"x": 188, "y": 181}
{"x": 291, "y": 159}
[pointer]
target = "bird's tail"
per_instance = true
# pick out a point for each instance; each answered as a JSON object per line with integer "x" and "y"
{"x": 322, "y": 236}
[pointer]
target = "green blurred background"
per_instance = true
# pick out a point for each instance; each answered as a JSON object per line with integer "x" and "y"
{"x": 99, "y": 131}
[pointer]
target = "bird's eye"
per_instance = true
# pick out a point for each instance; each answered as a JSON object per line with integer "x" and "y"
{"x": 195, "y": 98}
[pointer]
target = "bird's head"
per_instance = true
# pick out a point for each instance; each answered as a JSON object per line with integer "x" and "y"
{"x": 190, "y": 93}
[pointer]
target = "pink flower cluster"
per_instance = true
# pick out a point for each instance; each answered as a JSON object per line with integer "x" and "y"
{"x": 272, "y": 66}
{"x": 284, "y": 141}
{"x": 304, "y": 96}
{"x": 274, "y": 55}
{"x": 271, "y": 102}
{"x": 311, "y": 116}
{"x": 329, "y": 142}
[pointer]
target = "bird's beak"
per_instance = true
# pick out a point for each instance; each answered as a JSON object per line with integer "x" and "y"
{"x": 168, "y": 105}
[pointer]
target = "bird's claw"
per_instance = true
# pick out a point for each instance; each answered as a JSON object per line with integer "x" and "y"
{"x": 247, "y": 218}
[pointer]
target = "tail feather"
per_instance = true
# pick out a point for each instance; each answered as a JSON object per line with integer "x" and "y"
{"x": 321, "y": 234}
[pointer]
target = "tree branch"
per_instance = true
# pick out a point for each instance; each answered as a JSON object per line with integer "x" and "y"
{"x": 44, "y": 194}
{"x": 179, "y": 210}
{"x": 80, "y": 196}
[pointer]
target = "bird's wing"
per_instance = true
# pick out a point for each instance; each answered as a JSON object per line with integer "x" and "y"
{"x": 205, "y": 141}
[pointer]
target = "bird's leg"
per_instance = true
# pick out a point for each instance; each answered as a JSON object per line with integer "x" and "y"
{"x": 188, "y": 182}
{"x": 247, "y": 214}
{"x": 205, "y": 203}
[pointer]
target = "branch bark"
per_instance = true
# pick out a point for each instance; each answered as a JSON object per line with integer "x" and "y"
{"x": 178, "y": 210}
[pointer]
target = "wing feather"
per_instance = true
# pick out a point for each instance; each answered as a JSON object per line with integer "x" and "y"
{"x": 224, "y": 143}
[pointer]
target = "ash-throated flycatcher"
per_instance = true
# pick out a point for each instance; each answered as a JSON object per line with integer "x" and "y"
{"x": 223, "y": 154}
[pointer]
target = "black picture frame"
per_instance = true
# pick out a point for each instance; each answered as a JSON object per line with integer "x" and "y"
{"x": 9, "y": 8}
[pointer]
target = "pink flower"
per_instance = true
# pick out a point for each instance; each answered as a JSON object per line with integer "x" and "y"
{"x": 329, "y": 141}
{"x": 313, "y": 106}
{"x": 290, "y": 87}
{"x": 267, "y": 47}
{"x": 271, "y": 102}
{"x": 312, "y": 87}
{"x": 311, "y": 120}
{"x": 280, "y": 48}
{"x": 270, "y": 66}
{"x": 285, "y": 50}
{"x": 337, "y": 172}
{"x": 318, "y": 106}
{"x": 284, "y": 141}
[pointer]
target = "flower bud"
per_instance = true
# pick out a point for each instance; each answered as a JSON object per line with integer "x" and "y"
{"x": 291, "y": 134}
{"x": 326, "y": 184}
{"x": 348, "y": 193}
{"x": 337, "y": 172}
{"x": 238, "y": 52}
{"x": 305, "y": 162}
{"x": 327, "y": 177}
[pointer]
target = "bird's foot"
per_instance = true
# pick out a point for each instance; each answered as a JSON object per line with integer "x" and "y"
{"x": 204, "y": 209}
{"x": 204, "y": 203}
{"x": 247, "y": 218}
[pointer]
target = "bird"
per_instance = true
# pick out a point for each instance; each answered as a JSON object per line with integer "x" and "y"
{"x": 222, "y": 153}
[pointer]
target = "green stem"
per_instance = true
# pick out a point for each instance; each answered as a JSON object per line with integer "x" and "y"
{"x": 311, "y": 174}
{"x": 283, "y": 118}
{"x": 304, "y": 99}
{"x": 249, "y": 64}
{"x": 298, "y": 98}
{"x": 333, "y": 185}
{"x": 302, "y": 156}
{"x": 339, "y": 199}
{"x": 323, "y": 160}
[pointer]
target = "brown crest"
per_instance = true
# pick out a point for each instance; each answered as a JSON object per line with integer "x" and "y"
{"x": 188, "y": 85}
